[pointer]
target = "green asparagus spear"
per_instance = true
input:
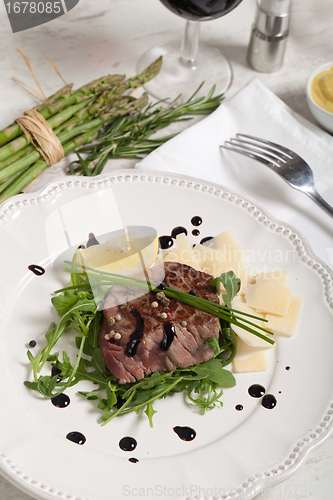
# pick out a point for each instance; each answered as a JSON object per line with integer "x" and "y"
{"x": 9, "y": 181}
{"x": 63, "y": 92}
{"x": 93, "y": 110}
{"x": 17, "y": 155}
{"x": 146, "y": 75}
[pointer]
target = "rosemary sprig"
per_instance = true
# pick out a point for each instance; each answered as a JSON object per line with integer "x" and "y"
{"x": 130, "y": 136}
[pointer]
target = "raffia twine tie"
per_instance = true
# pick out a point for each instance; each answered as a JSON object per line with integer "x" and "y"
{"x": 41, "y": 135}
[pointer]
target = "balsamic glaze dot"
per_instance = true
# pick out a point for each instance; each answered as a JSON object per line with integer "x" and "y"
{"x": 127, "y": 444}
{"x": 165, "y": 242}
{"x": 206, "y": 239}
{"x": 76, "y": 437}
{"x": 196, "y": 221}
{"x": 256, "y": 391}
{"x": 178, "y": 230}
{"x": 185, "y": 433}
{"x": 195, "y": 232}
{"x": 55, "y": 371}
{"x": 37, "y": 270}
{"x": 162, "y": 286}
{"x": 133, "y": 460}
{"x": 239, "y": 407}
{"x": 269, "y": 401}
{"x": 168, "y": 336}
{"x": 61, "y": 401}
{"x": 287, "y": 367}
{"x": 120, "y": 402}
{"x": 92, "y": 240}
{"x": 136, "y": 335}
{"x": 32, "y": 343}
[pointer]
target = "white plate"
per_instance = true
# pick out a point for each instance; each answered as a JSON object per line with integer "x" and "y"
{"x": 235, "y": 454}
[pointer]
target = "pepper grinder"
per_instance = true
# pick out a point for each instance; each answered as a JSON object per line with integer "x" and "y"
{"x": 269, "y": 35}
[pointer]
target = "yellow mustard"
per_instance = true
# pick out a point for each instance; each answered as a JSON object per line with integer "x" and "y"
{"x": 322, "y": 89}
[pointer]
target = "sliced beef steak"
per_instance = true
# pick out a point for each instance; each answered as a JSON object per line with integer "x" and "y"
{"x": 138, "y": 338}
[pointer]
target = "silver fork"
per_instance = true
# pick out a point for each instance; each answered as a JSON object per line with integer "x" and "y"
{"x": 291, "y": 167}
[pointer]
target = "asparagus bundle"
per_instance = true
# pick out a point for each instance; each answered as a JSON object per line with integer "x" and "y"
{"x": 75, "y": 118}
{"x": 113, "y": 125}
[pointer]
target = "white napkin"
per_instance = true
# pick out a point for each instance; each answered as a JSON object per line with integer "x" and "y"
{"x": 255, "y": 110}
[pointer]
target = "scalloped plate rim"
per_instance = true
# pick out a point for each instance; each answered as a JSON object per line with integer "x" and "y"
{"x": 18, "y": 202}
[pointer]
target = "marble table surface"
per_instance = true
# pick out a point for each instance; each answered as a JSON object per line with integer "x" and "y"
{"x": 104, "y": 36}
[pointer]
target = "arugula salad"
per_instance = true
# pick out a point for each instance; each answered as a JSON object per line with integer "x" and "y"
{"x": 80, "y": 315}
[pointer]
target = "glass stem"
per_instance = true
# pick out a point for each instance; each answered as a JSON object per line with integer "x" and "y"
{"x": 190, "y": 43}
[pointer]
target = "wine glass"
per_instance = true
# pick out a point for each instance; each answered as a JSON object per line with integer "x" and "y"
{"x": 187, "y": 65}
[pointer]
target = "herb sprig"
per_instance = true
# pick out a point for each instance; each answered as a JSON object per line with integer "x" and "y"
{"x": 130, "y": 136}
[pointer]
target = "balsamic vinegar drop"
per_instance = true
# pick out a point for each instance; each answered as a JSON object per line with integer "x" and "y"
{"x": 76, "y": 437}
{"x": 37, "y": 270}
{"x": 127, "y": 443}
{"x": 185, "y": 433}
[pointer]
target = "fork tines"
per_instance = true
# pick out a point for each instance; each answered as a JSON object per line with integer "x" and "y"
{"x": 258, "y": 149}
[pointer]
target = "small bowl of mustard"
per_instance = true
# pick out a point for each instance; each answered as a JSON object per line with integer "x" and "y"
{"x": 319, "y": 93}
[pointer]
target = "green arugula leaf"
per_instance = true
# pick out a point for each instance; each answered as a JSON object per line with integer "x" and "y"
{"x": 88, "y": 348}
{"x": 111, "y": 397}
{"x": 63, "y": 303}
{"x": 213, "y": 370}
{"x": 231, "y": 284}
{"x": 150, "y": 412}
{"x": 31, "y": 385}
{"x": 46, "y": 385}
{"x": 97, "y": 361}
{"x": 94, "y": 376}
{"x": 65, "y": 366}
{"x": 214, "y": 342}
{"x": 94, "y": 329}
{"x": 154, "y": 380}
{"x": 207, "y": 397}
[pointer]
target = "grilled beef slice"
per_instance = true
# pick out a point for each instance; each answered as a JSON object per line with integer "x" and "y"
{"x": 185, "y": 326}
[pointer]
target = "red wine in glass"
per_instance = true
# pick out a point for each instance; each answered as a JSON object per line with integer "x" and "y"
{"x": 202, "y": 10}
{"x": 187, "y": 65}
